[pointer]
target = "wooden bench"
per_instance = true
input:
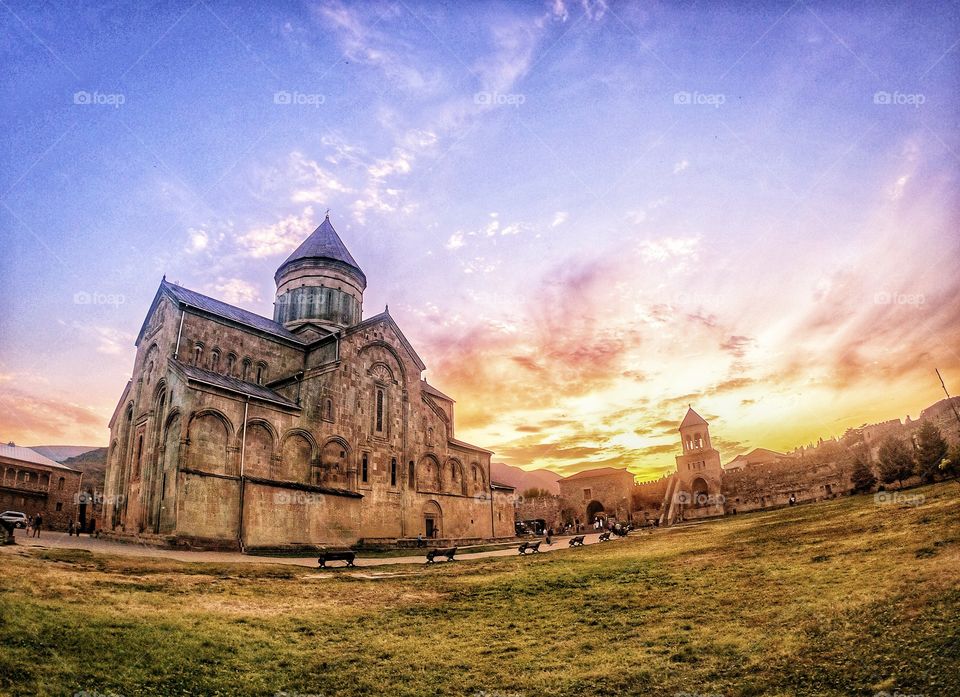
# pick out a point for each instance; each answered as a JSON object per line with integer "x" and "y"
{"x": 576, "y": 541}
{"x": 344, "y": 555}
{"x": 529, "y": 546}
{"x": 604, "y": 536}
{"x": 434, "y": 553}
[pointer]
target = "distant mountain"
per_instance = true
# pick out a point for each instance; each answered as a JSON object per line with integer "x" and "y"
{"x": 93, "y": 464}
{"x": 522, "y": 480}
{"x": 59, "y": 453}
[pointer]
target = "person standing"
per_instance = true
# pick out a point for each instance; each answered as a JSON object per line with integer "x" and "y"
{"x": 70, "y": 528}
{"x": 37, "y": 524}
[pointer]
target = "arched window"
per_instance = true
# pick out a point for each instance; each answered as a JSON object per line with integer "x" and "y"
{"x": 215, "y": 360}
{"x": 326, "y": 411}
{"x": 60, "y": 483}
{"x": 231, "y": 362}
{"x": 139, "y": 458}
{"x": 261, "y": 373}
{"x": 411, "y": 475}
{"x": 379, "y": 411}
{"x": 246, "y": 369}
{"x": 364, "y": 469}
{"x": 197, "y": 353}
{"x": 393, "y": 471}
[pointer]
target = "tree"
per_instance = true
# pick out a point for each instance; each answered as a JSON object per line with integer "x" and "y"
{"x": 896, "y": 464}
{"x": 535, "y": 493}
{"x": 862, "y": 473}
{"x": 950, "y": 467}
{"x": 931, "y": 450}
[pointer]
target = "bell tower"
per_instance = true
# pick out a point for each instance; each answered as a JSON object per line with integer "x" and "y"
{"x": 699, "y": 472}
{"x": 320, "y": 283}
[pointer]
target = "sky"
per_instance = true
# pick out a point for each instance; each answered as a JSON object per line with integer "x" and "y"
{"x": 585, "y": 216}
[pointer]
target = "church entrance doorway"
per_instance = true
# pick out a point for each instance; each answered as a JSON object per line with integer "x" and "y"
{"x": 701, "y": 492}
{"x": 595, "y": 513}
{"x": 432, "y": 520}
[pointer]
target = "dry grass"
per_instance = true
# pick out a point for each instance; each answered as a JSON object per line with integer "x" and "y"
{"x": 842, "y": 598}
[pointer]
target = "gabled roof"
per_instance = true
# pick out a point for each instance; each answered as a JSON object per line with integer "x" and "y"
{"x": 235, "y": 385}
{"x": 385, "y": 317}
{"x": 323, "y": 243}
{"x": 17, "y": 452}
{"x": 599, "y": 472}
{"x": 467, "y": 446}
{"x": 431, "y": 390}
{"x": 185, "y": 296}
{"x": 692, "y": 419}
{"x": 759, "y": 456}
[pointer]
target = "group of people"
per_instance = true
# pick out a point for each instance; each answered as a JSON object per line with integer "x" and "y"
{"x": 35, "y": 525}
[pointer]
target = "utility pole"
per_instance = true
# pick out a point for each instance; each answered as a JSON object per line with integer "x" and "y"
{"x": 949, "y": 398}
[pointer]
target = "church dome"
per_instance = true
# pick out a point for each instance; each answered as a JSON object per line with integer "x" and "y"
{"x": 320, "y": 283}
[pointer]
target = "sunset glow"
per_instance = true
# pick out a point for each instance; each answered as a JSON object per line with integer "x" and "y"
{"x": 584, "y": 217}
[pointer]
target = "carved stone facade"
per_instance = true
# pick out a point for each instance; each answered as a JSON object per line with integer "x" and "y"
{"x": 311, "y": 429}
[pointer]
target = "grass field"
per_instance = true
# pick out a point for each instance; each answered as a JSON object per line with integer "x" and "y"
{"x": 848, "y": 597}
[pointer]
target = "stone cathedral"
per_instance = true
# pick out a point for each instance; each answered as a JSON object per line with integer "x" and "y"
{"x": 312, "y": 428}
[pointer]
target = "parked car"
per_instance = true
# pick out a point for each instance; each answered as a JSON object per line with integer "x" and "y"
{"x": 18, "y": 519}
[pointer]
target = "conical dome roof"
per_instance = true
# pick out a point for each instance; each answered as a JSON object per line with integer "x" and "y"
{"x": 323, "y": 243}
{"x": 692, "y": 419}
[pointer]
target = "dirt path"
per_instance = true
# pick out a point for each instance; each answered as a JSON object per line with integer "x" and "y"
{"x": 60, "y": 540}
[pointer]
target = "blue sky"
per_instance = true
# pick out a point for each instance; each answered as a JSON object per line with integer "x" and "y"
{"x": 582, "y": 214}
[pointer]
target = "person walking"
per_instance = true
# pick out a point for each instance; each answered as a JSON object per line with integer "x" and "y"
{"x": 70, "y": 528}
{"x": 37, "y": 524}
